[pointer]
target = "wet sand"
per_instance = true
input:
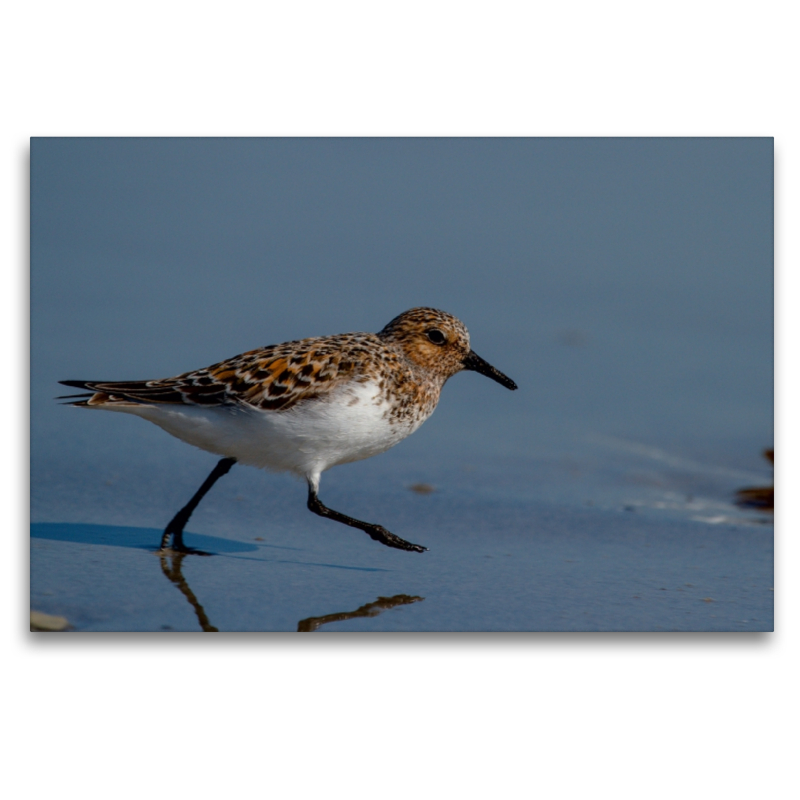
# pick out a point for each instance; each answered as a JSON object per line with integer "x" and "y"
{"x": 646, "y": 559}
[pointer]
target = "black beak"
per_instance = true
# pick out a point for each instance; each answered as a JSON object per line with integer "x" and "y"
{"x": 475, "y": 363}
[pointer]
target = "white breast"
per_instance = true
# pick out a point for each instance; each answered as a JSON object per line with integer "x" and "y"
{"x": 350, "y": 424}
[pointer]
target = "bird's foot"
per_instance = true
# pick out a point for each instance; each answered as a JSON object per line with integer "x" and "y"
{"x": 380, "y": 534}
{"x": 176, "y": 547}
{"x": 181, "y": 551}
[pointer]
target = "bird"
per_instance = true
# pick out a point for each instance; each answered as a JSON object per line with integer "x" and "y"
{"x": 303, "y": 406}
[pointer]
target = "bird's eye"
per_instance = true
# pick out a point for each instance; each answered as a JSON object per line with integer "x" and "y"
{"x": 436, "y": 336}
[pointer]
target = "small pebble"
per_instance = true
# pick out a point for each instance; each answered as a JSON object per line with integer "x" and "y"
{"x": 47, "y": 622}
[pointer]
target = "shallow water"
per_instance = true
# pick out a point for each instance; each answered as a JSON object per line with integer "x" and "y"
{"x": 625, "y": 285}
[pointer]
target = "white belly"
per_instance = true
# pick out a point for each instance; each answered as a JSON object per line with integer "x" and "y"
{"x": 349, "y": 425}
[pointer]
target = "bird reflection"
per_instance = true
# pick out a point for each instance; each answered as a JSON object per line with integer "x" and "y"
{"x": 171, "y": 567}
{"x": 368, "y": 610}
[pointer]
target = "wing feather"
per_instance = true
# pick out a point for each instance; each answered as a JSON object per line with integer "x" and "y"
{"x": 273, "y": 378}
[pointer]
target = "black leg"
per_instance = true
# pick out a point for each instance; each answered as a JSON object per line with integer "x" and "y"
{"x": 175, "y": 527}
{"x": 376, "y": 532}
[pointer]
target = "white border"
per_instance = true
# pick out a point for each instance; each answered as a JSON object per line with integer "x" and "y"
{"x": 561, "y": 716}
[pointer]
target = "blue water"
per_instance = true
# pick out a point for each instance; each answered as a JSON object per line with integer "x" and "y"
{"x": 625, "y": 285}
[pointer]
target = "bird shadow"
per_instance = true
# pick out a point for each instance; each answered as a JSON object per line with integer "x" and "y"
{"x": 123, "y": 536}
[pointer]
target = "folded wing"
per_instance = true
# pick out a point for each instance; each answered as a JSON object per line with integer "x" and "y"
{"x": 272, "y": 378}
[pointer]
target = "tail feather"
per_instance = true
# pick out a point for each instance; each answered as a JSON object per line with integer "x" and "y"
{"x": 78, "y": 384}
{"x": 101, "y": 392}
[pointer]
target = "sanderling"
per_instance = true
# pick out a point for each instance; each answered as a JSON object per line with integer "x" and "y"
{"x": 304, "y": 406}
